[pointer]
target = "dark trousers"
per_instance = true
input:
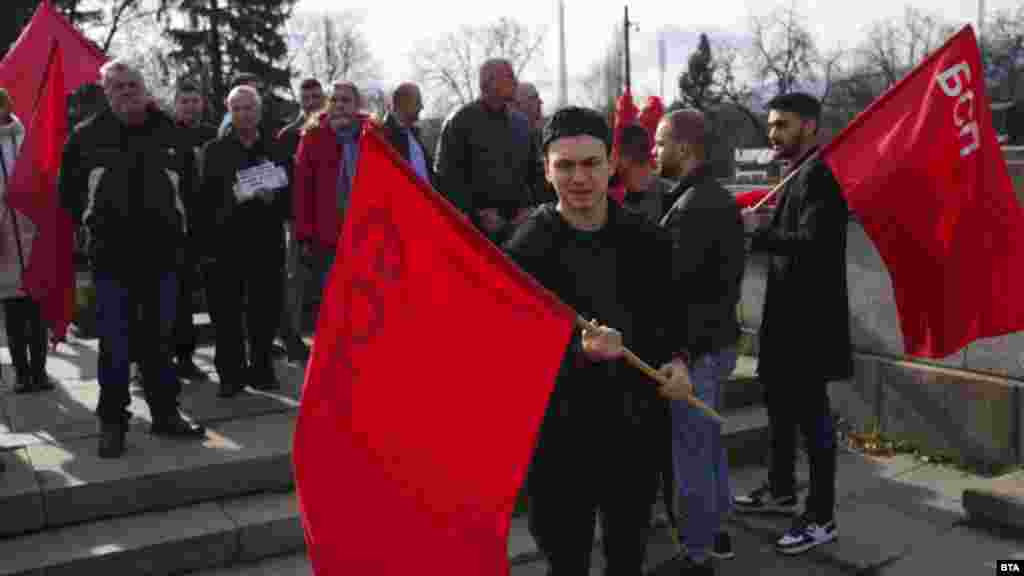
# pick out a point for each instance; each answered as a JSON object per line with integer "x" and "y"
{"x": 245, "y": 306}
{"x": 666, "y": 467}
{"x": 26, "y": 336}
{"x": 804, "y": 405}
{"x": 577, "y": 479}
{"x": 184, "y": 329}
{"x": 122, "y": 331}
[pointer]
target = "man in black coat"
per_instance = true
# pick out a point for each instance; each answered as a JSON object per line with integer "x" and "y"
{"x": 401, "y": 131}
{"x": 708, "y": 260}
{"x": 245, "y": 197}
{"x": 805, "y": 327}
{"x": 189, "y": 108}
{"x": 127, "y": 175}
{"x": 593, "y": 456}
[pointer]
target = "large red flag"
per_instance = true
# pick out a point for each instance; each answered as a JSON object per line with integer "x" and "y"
{"x": 923, "y": 170}
{"x": 432, "y": 364}
{"x": 23, "y": 67}
{"x": 49, "y": 276}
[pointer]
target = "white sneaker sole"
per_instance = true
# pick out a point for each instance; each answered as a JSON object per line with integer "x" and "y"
{"x": 794, "y": 550}
{"x": 766, "y": 509}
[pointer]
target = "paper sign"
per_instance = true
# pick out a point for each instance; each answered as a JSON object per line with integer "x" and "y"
{"x": 260, "y": 179}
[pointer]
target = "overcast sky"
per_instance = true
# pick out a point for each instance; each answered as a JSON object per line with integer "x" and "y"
{"x": 394, "y": 28}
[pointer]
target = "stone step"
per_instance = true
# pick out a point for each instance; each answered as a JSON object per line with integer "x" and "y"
{"x": 182, "y": 540}
{"x": 998, "y": 504}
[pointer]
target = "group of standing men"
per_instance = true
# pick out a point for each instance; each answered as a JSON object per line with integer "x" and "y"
{"x": 259, "y": 209}
{"x": 661, "y": 273}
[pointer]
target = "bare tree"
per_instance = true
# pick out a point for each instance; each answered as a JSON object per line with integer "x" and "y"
{"x": 448, "y": 66}
{"x": 886, "y": 55}
{"x": 1003, "y": 53}
{"x": 331, "y": 47}
{"x": 783, "y": 55}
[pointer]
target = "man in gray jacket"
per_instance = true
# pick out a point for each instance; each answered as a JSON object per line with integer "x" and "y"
{"x": 485, "y": 160}
{"x": 708, "y": 261}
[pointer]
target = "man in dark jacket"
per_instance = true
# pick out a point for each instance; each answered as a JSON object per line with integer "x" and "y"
{"x": 708, "y": 260}
{"x": 485, "y": 163}
{"x": 593, "y": 457}
{"x": 127, "y": 176}
{"x": 805, "y": 327}
{"x": 189, "y": 107}
{"x": 401, "y": 131}
{"x": 245, "y": 196}
{"x": 297, "y": 273}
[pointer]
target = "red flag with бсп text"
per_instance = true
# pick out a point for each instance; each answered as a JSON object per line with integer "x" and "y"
{"x": 923, "y": 171}
{"x": 433, "y": 361}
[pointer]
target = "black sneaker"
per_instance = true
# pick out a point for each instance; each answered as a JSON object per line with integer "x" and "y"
{"x": 722, "y": 549}
{"x": 112, "y": 440}
{"x": 806, "y": 534}
{"x": 762, "y": 501}
{"x": 187, "y": 370}
{"x": 44, "y": 382}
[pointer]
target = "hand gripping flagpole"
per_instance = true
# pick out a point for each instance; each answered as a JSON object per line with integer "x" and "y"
{"x": 779, "y": 186}
{"x": 636, "y": 362}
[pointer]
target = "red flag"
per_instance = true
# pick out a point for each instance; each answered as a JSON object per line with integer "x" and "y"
{"x": 23, "y": 67}
{"x": 625, "y": 115}
{"x": 922, "y": 169}
{"x": 49, "y": 276}
{"x": 432, "y": 364}
{"x": 752, "y": 197}
{"x": 652, "y": 113}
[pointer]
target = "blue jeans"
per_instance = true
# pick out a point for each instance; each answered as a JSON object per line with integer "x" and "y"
{"x": 118, "y": 298}
{"x": 701, "y": 465}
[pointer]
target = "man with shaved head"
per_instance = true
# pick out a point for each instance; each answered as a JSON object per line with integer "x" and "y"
{"x": 245, "y": 193}
{"x": 708, "y": 261}
{"x": 485, "y": 162}
{"x": 126, "y": 176}
{"x": 403, "y": 134}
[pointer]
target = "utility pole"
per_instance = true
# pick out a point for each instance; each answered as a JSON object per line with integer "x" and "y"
{"x": 625, "y": 30}
{"x": 563, "y": 74}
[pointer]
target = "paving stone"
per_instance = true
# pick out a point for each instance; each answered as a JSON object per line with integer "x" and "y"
{"x": 20, "y": 496}
{"x": 294, "y": 565}
{"x": 158, "y": 543}
{"x": 963, "y": 550}
{"x": 237, "y": 458}
{"x": 1000, "y": 501}
{"x": 68, "y": 412}
{"x": 859, "y": 473}
{"x": 886, "y": 523}
{"x": 268, "y": 525}
{"x": 521, "y": 545}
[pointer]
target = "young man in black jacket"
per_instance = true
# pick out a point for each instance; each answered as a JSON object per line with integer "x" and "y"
{"x": 805, "y": 327}
{"x": 245, "y": 199}
{"x": 127, "y": 175}
{"x": 594, "y": 456}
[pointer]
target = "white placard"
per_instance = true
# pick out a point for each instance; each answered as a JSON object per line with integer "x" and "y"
{"x": 258, "y": 179}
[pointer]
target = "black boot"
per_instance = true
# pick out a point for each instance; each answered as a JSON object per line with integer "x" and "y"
{"x": 23, "y": 384}
{"x": 112, "y": 439}
{"x": 174, "y": 426}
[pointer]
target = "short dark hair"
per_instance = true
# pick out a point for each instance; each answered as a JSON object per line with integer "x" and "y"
{"x": 576, "y": 121}
{"x": 309, "y": 83}
{"x": 635, "y": 143}
{"x": 804, "y": 105}
{"x": 245, "y": 78}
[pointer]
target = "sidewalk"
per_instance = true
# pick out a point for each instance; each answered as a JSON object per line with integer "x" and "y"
{"x": 896, "y": 516}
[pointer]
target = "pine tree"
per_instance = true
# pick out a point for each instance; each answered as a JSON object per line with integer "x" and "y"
{"x": 696, "y": 83}
{"x": 217, "y": 39}
{"x": 17, "y": 13}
